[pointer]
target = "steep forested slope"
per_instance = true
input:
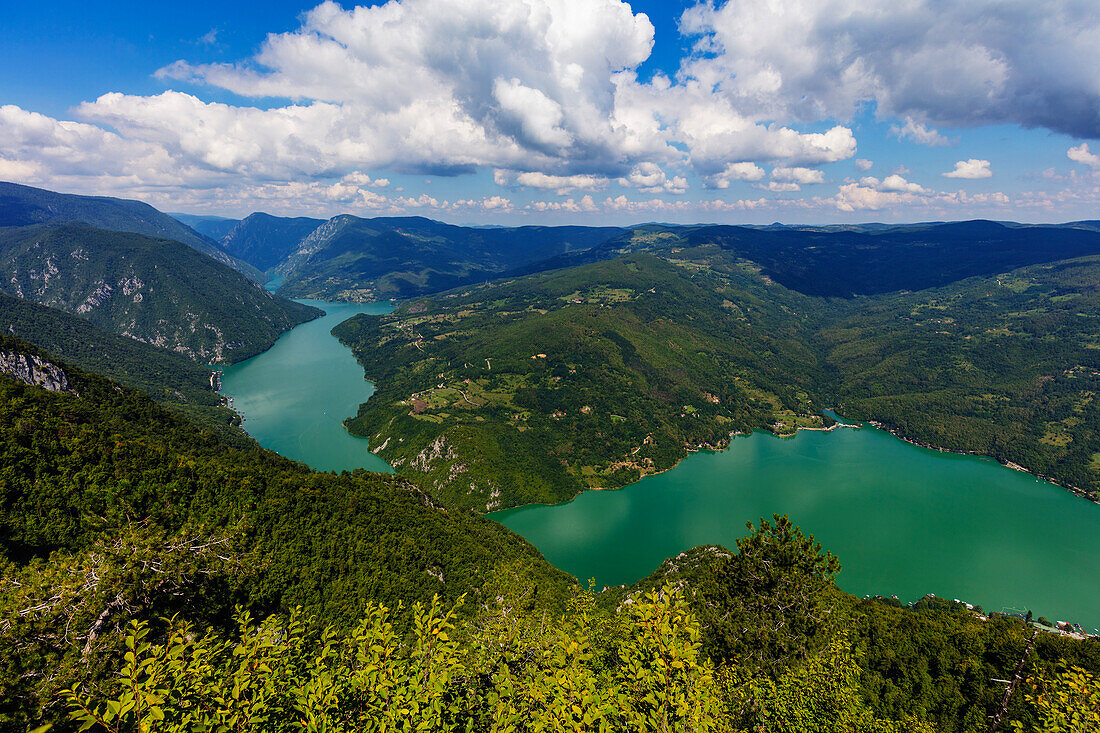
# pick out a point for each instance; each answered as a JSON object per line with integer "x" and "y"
{"x": 264, "y": 241}
{"x": 112, "y": 509}
{"x": 156, "y": 290}
{"x": 172, "y": 380}
{"x": 25, "y": 206}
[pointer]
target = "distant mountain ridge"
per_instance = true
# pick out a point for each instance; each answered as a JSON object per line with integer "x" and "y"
{"x": 214, "y": 227}
{"x": 155, "y": 290}
{"x": 349, "y": 258}
{"x": 24, "y": 206}
{"x": 352, "y": 258}
{"x": 904, "y": 258}
{"x": 264, "y": 241}
{"x": 838, "y": 262}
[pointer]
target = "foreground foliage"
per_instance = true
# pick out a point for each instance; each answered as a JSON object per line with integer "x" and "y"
{"x": 112, "y": 508}
{"x": 640, "y": 669}
{"x": 1065, "y": 702}
{"x": 643, "y": 672}
{"x": 116, "y": 511}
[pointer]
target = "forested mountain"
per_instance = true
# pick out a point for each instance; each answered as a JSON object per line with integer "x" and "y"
{"x": 114, "y": 509}
{"x": 904, "y": 258}
{"x": 170, "y": 379}
{"x": 265, "y": 241}
{"x": 590, "y": 377}
{"x": 1006, "y": 366}
{"x": 533, "y": 388}
{"x": 155, "y": 290}
{"x": 848, "y": 261}
{"x": 126, "y": 531}
{"x": 22, "y": 206}
{"x": 348, "y": 258}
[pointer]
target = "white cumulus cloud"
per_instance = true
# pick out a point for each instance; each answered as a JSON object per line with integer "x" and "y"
{"x": 801, "y": 176}
{"x": 546, "y": 94}
{"x": 743, "y": 171}
{"x": 1082, "y": 154}
{"x": 972, "y": 168}
{"x": 585, "y": 205}
{"x": 919, "y": 133}
{"x": 545, "y": 90}
{"x": 650, "y": 178}
{"x": 537, "y": 179}
{"x": 892, "y": 183}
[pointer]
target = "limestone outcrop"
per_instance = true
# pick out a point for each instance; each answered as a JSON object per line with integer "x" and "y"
{"x": 35, "y": 371}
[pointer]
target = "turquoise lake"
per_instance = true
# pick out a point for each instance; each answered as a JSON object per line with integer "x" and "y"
{"x": 904, "y": 520}
{"x": 295, "y": 396}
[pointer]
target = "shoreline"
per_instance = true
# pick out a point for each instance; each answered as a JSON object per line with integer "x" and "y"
{"x": 690, "y": 449}
{"x": 1075, "y": 490}
{"x": 724, "y": 445}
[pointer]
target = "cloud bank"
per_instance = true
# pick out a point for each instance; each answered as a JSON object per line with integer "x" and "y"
{"x": 546, "y": 94}
{"x": 923, "y": 61}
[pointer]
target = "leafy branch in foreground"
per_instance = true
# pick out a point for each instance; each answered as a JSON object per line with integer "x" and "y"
{"x": 770, "y": 599}
{"x": 283, "y": 675}
{"x": 639, "y": 670}
{"x": 1065, "y": 702}
{"x": 60, "y": 619}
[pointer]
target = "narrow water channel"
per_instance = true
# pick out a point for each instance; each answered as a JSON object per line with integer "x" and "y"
{"x": 295, "y": 396}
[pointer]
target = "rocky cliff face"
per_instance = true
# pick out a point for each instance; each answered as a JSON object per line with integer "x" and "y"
{"x": 158, "y": 291}
{"x": 314, "y": 242}
{"x": 34, "y": 371}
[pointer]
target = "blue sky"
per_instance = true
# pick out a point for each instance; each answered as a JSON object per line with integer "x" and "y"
{"x": 554, "y": 111}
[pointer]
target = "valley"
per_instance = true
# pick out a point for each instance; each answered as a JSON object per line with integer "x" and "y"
{"x": 690, "y": 372}
{"x": 296, "y": 395}
{"x": 550, "y": 366}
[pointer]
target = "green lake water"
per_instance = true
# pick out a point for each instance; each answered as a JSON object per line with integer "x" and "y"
{"x": 295, "y": 396}
{"x": 904, "y": 520}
